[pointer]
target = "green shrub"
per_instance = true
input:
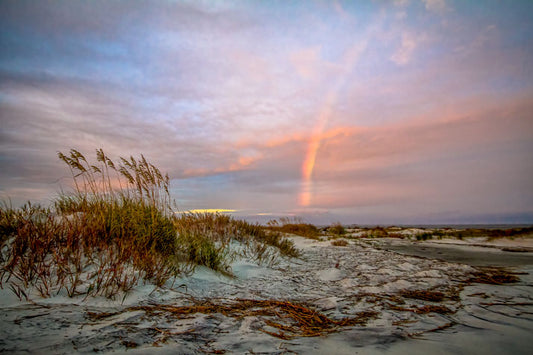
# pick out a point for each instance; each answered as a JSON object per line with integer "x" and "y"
{"x": 424, "y": 236}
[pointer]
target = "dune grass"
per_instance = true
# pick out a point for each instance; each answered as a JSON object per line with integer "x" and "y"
{"x": 286, "y": 225}
{"x": 490, "y": 233}
{"x": 339, "y": 242}
{"x": 208, "y": 238}
{"x": 115, "y": 229}
{"x": 336, "y": 229}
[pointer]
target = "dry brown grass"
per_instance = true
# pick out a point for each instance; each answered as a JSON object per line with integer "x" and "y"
{"x": 295, "y": 226}
{"x": 336, "y": 229}
{"x": 377, "y": 232}
{"x": 433, "y": 296}
{"x": 98, "y": 240}
{"x": 423, "y": 309}
{"x": 494, "y": 276}
{"x": 339, "y": 242}
{"x": 286, "y": 320}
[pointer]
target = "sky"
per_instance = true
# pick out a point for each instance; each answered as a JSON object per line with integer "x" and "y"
{"x": 363, "y": 112}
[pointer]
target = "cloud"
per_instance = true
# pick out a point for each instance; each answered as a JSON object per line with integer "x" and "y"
{"x": 401, "y": 3}
{"x": 429, "y": 160}
{"x": 225, "y": 98}
{"x": 306, "y": 62}
{"x": 403, "y": 54}
{"x": 437, "y": 6}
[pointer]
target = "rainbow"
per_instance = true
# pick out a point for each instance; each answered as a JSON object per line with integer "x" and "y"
{"x": 324, "y": 116}
{"x": 312, "y": 149}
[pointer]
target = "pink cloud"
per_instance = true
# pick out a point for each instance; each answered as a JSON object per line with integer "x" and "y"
{"x": 306, "y": 62}
{"x": 403, "y": 54}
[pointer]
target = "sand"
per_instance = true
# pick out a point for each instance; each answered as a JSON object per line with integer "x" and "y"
{"x": 468, "y": 253}
{"x": 337, "y": 281}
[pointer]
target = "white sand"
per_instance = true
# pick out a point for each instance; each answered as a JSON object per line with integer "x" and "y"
{"x": 338, "y": 281}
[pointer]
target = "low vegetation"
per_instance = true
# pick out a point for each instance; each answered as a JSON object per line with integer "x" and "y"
{"x": 208, "y": 237}
{"x": 491, "y": 233}
{"x": 336, "y": 229}
{"x": 377, "y": 232}
{"x": 426, "y": 235}
{"x": 439, "y": 233}
{"x": 286, "y": 225}
{"x": 339, "y": 242}
{"x": 475, "y": 233}
{"x": 116, "y": 229}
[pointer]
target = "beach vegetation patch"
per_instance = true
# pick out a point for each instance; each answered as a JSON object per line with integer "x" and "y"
{"x": 339, "y": 242}
{"x": 115, "y": 229}
{"x": 286, "y": 225}
{"x": 377, "y": 232}
{"x": 336, "y": 229}
{"x": 424, "y": 236}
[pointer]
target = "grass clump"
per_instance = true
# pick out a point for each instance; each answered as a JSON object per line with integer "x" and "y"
{"x": 115, "y": 229}
{"x": 424, "y": 236}
{"x": 202, "y": 250}
{"x": 112, "y": 231}
{"x": 377, "y": 232}
{"x": 210, "y": 235}
{"x": 267, "y": 237}
{"x": 285, "y": 225}
{"x": 336, "y": 229}
{"x": 339, "y": 243}
{"x": 462, "y": 234}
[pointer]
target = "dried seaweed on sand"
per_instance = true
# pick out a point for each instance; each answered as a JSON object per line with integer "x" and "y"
{"x": 493, "y": 276}
{"x": 285, "y": 319}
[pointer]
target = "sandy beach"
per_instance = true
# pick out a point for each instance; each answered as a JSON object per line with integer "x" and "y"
{"x": 339, "y": 282}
